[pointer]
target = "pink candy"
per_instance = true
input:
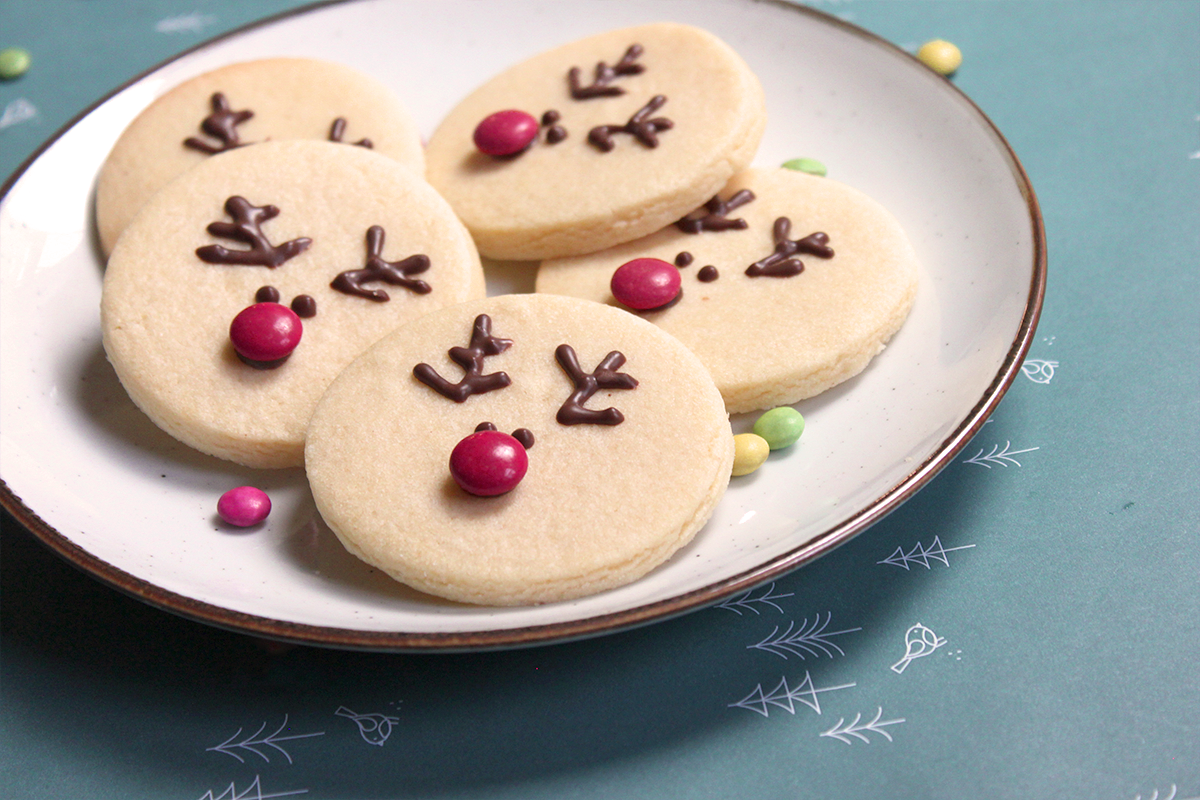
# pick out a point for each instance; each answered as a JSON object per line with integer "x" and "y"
{"x": 505, "y": 133}
{"x": 645, "y": 283}
{"x": 265, "y": 332}
{"x": 488, "y": 463}
{"x": 244, "y": 506}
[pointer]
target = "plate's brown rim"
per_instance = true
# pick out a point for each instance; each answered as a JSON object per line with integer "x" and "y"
{"x": 590, "y": 626}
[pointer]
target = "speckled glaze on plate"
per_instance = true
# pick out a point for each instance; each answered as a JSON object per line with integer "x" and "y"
{"x": 99, "y": 484}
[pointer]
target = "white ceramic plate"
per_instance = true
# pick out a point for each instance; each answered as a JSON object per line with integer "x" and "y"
{"x": 95, "y": 480}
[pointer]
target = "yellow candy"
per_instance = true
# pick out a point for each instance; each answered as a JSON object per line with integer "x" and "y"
{"x": 940, "y": 56}
{"x": 749, "y": 452}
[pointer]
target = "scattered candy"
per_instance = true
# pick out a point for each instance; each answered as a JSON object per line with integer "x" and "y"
{"x": 940, "y": 56}
{"x": 244, "y": 506}
{"x": 265, "y": 333}
{"x": 505, "y": 133}
{"x": 645, "y": 283}
{"x": 14, "y": 62}
{"x": 780, "y": 427}
{"x": 749, "y": 452}
{"x": 809, "y": 165}
{"x": 488, "y": 463}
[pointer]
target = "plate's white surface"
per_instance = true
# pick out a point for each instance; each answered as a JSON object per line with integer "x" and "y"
{"x": 111, "y": 492}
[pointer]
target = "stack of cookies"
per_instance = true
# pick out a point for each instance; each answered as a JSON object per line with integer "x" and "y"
{"x": 294, "y": 280}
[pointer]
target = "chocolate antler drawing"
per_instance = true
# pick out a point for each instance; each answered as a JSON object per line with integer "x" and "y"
{"x": 247, "y": 227}
{"x": 338, "y": 130}
{"x": 715, "y": 217}
{"x": 643, "y": 129}
{"x": 605, "y": 376}
{"x": 604, "y": 76}
{"x": 483, "y": 344}
{"x": 781, "y": 263}
{"x": 221, "y": 124}
{"x": 394, "y": 272}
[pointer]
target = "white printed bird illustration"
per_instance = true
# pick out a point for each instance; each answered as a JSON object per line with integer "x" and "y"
{"x": 918, "y": 641}
{"x": 374, "y": 728}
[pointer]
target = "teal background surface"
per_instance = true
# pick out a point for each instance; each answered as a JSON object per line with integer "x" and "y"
{"x": 1066, "y": 588}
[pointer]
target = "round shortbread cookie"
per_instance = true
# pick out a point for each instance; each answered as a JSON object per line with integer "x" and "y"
{"x": 287, "y": 98}
{"x": 771, "y": 339}
{"x": 568, "y": 196}
{"x": 166, "y": 313}
{"x": 601, "y": 504}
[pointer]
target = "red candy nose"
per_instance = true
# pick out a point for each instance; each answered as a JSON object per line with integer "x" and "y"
{"x": 488, "y": 463}
{"x": 265, "y": 332}
{"x": 645, "y": 283}
{"x": 505, "y": 133}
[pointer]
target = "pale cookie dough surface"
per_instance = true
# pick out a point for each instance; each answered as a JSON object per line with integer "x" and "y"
{"x": 570, "y": 198}
{"x": 600, "y": 505}
{"x": 291, "y": 98}
{"x": 166, "y": 313}
{"x": 771, "y": 341}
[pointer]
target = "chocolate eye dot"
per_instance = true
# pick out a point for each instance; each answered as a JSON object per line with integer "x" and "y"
{"x": 505, "y": 133}
{"x": 304, "y": 306}
{"x": 488, "y": 463}
{"x": 265, "y": 333}
{"x": 267, "y": 294}
{"x": 645, "y": 283}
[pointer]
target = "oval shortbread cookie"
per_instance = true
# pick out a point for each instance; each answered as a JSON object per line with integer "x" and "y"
{"x": 639, "y": 126}
{"x": 253, "y": 101}
{"x": 777, "y": 311}
{"x": 323, "y": 214}
{"x": 601, "y": 504}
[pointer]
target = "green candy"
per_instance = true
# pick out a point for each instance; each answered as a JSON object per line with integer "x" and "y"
{"x": 781, "y": 427}
{"x": 13, "y": 63}
{"x": 809, "y": 165}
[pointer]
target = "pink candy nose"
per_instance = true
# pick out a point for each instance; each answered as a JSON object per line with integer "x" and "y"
{"x": 265, "y": 332}
{"x": 505, "y": 133}
{"x": 645, "y": 283}
{"x": 244, "y": 506}
{"x": 488, "y": 463}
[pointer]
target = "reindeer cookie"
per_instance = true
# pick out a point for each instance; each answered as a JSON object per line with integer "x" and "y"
{"x": 244, "y": 286}
{"x": 520, "y": 449}
{"x": 786, "y": 284}
{"x": 597, "y": 142}
{"x": 241, "y": 104}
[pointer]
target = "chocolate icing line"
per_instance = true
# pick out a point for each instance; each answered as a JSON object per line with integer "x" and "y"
{"x": 605, "y": 376}
{"x": 782, "y": 263}
{"x": 353, "y": 281}
{"x": 337, "y": 132}
{"x": 604, "y": 75}
{"x": 640, "y": 126}
{"x": 247, "y": 228}
{"x": 714, "y": 218}
{"x": 470, "y": 358}
{"x": 221, "y": 125}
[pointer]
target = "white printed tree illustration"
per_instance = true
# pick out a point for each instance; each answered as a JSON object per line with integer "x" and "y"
{"x": 842, "y": 732}
{"x": 922, "y": 555}
{"x": 253, "y": 742}
{"x": 785, "y": 697}
{"x": 745, "y": 601}
{"x": 998, "y": 457}
{"x": 806, "y": 639}
{"x": 253, "y": 791}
